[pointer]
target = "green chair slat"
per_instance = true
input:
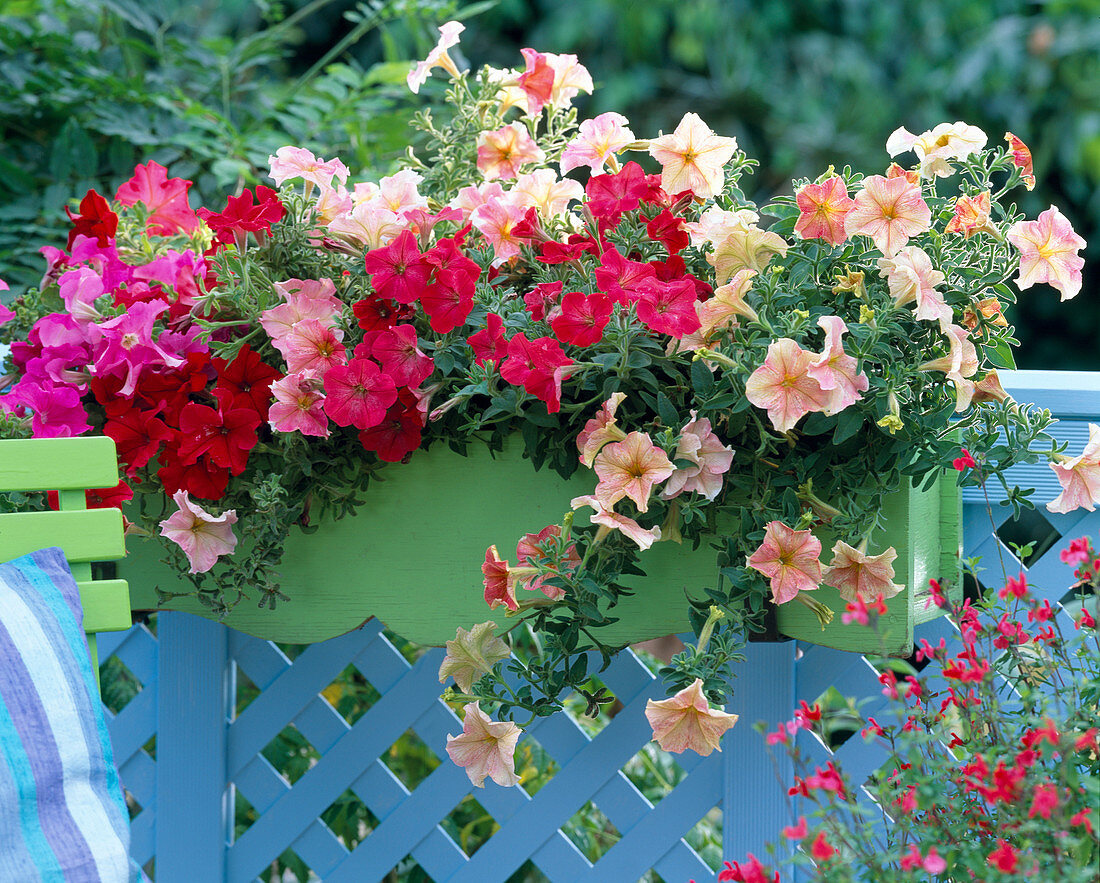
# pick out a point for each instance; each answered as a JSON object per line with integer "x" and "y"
{"x": 106, "y": 604}
{"x": 84, "y": 535}
{"x": 37, "y": 464}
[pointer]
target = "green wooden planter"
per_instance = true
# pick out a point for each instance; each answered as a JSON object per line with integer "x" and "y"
{"x": 412, "y": 557}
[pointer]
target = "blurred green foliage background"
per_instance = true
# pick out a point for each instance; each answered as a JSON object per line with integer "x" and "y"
{"x": 87, "y": 89}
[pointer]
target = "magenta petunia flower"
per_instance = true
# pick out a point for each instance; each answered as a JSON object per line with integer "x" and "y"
{"x": 358, "y": 394}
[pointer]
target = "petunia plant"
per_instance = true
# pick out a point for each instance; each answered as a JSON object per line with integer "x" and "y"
{"x": 615, "y": 302}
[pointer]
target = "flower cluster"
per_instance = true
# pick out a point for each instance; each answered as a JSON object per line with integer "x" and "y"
{"x": 991, "y": 753}
{"x": 721, "y": 379}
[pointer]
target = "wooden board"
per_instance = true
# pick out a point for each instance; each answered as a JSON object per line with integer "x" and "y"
{"x": 38, "y": 464}
{"x": 412, "y": 557}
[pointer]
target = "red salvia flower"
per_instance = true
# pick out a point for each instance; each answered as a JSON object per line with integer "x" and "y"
{"x": 95, "y": 219}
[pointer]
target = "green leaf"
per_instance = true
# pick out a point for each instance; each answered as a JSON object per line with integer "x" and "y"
{"x": 1000, "y": 355}
{"x": 669, "y": 415}
{"x": 701, "y": 378}
{"x": 848, "y": 423}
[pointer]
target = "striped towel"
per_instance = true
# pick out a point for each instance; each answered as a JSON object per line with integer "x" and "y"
{"x": 62, "y": 815}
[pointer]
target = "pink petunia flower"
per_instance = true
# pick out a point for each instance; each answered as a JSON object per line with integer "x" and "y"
{"x": 503, "y": 152}
{"x": 835, "y": 371}
{"x": 313, "y": 347}
{"x": 822, "y": 210}
{"x": 699, "y": 444}
{"x": 296, "y": 162}
{"x": 960, "y": 364}
{"x": 912, "y": 278}
{"x": 597, "y": 143}
{"x": 784, "y": 387}
{"x": 1079, "y": 477}
{"x": 790, "y": 560}
{"x": 855, "y": 574}
{"x": 610, "y": 520}
{"x": 972, "y": 216}
{"x": 692, "y": 158}
{"x": 358, "y": 394}
{"x": 686, "y": 720}
{"x": 600, "y": 430}
{"x": 299, "y": 406}
{"x": 1048, "y": 252}
{"x": 438, "y": 57}
{"x": 56, "y": 410}
{"x": 889, "y": 210}
{"x": 203, "y": 537}
{"x": 486, "y": 748}
{"x": 543, "y": 190}
{"x": 496, "y": 220}
{"x": 398, "y": 352}
{"x": 630, "y": 468}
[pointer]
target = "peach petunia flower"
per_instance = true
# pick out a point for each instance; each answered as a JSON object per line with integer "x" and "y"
{"x": 686, "y": 720}
{"x": 889, "y": 210}
{"x": 472, "y": 654}
{"x": 543, "y": 190}
{"x": 948, "y": 141}
{"x": 989, "y": 389}
{"x": 496, "y": 220}
{"x": 630, "y": 468}
{"x": 1079, "y": 477}
{"x": 822, "y": 210}
{"x": 486, "y": 748}
{"x": 720, "y": 311}
{"x": 203, "y": 537}
{"x": 610, "y": 520}
{"x": 835, "y": 371}
{"x": 692, "y": 158}
{"x": 710, "y": 458}
{"x": 598, "y": 142}
{"x": 783, "y": 387}
{"x": 790, "y": 559}
{"x": 503, "y": 152}
{"x": 1048, "y": 252}
{"x": 745, "y": 247}
{"x": 959, "y": 364}
{"x": 988, "y": 308}
{"x": 715, "y": 224}
{"x": 912, "y": 278}
{"x": 855, "y": 574}
{"x": 438, "y": 57}
{"x": 296, "y": 162}
{"x": 600, "y": 430}
{"x": 972, "y": 216}
{"x": 1021, "y": 158}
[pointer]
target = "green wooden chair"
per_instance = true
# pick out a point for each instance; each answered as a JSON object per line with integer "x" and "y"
{"x": 70, "y": 466}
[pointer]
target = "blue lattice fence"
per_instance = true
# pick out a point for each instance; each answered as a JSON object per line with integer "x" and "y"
{"x": 188, "y": 758}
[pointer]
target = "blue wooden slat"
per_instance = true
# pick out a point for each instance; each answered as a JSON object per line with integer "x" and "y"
{"x": 136, "y": 724}
{"x": 260, "y": 660}
{"x": 193, "y": 810}
{"x": 560, "y": 798}
{"x": 319, "y": 787}
{"x": 143, "y": 836}
{"x": 765, "y": 692}
{"x": 680, "y": 811}
{"x": 139, "y": 776}
{"x": 283, "y": 698}
{"x": 137, "y": 650}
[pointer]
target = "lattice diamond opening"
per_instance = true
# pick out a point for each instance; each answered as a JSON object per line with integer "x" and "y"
{"x": 410, "y": 759}
{"x": 349, "y": 819}
{"x": 291, "y": 753}
{"x": 470, "y": 825}
{"x": 1032, "y": 527}
{"x": 654, "y": 773}
{"x": 705, "y": 838}
{"x": 534, "y": 765}
{"x": 840, "y": 718}
{"x": 351, "y": 694}
{"x": 591, "y": 831}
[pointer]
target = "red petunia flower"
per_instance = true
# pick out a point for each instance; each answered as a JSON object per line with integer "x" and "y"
{"x": 538, "y": 366}
{"x": 95, "y": 219}
{"x": 248, "y": 381}
{"x": 669, "y": 307}
{"x": 358, "y": 394}
{"x": 620, "y": 279}
{"x": 669, "y": 230}
{"x": 167, "y": 197}
{"x": 489, "y": 342}
{"x": 397, "y": 351}
{"x": 225, "y": 435}
{"x": 398, "y": 270}
{"x": 582, "y": 318}
{"x": 399, "y": 433}
{"x": 610, "y": 196}
{"x": 244, "y": 214}
{"x": 449, "y": 299}
{"x": 138, "y": 433}
{"x": 541, "y": 299}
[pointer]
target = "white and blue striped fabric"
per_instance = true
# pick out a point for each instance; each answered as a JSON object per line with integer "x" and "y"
{"x": 62, "y": 814}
